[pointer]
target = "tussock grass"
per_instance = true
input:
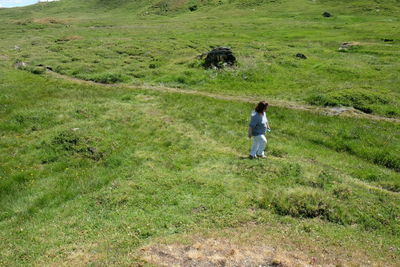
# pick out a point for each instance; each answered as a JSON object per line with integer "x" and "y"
{"x": 92, "y": 173}
{"x": 145, "y": 165}
{"x": 158, "y": 42}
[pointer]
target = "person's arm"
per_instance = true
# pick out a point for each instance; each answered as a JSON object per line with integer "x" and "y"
{"x": 252, "y": 124}
{"x": 268, "y": 127}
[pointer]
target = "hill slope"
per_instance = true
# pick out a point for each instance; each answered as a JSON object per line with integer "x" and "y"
{"x": 103, "y": 175}
{"x": 126, "y": 41}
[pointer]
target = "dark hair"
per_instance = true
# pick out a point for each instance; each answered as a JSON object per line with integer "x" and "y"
{"x": 261, "y": 107}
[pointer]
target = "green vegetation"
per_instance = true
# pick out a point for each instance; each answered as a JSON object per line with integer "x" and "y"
{"x": 91, "y": 173}
{"x": 157, "y": 42}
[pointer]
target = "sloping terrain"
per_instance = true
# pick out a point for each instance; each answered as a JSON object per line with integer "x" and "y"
{"x": 122, "y": 175}
{"x": 135, "y": 42}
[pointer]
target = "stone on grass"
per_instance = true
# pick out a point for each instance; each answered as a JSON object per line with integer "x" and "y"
{"x": 300, "y": 55}
{"x": 327, "y": 14}
{"x": 193, "y": 8}
{"x": 21, "y": 65}
{"x": 219, "y": 57}
{"x": 347, "y": 45}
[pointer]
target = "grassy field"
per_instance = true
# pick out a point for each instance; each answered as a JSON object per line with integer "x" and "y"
{"x": 101, "y": 175}
{"x": 142, "y": 42}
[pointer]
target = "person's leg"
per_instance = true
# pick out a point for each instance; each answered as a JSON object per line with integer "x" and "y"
{"x": 254, "y": 146}
{"x": 262, "y": 142}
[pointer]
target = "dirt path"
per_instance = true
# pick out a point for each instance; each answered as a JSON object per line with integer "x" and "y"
{"x": 328, "y": 111}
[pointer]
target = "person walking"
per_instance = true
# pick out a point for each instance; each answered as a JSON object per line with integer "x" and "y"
{"x": 258, "y": 127}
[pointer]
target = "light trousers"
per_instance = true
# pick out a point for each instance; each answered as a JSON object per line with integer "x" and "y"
{"x": 258, "y": 146}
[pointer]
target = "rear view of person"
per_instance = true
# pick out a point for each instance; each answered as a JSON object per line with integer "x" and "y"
{"x": 257, "y": 129}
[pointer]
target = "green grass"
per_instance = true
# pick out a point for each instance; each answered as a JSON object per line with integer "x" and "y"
{"x": 141, "y": 164}
{"x": 136, "y": 42}
{"x": 89, "y": 174}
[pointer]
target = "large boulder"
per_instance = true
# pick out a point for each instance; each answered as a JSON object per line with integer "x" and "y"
{"x": 326, "y": 14}
{"x": 219, "y": 57}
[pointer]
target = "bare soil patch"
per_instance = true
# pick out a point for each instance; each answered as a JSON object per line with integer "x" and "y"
{"x": 219, "y": 252}
{"x": 260, "y": 245}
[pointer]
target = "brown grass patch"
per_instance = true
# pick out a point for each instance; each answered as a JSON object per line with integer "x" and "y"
{"x": 48, "y": 21}
{"x": 41, "y": 21}
{"x": 72, "y": 255}
{"x": 260, "y": 245}
{"x": 219, "y": 252}
{"x": 69, "y": 38}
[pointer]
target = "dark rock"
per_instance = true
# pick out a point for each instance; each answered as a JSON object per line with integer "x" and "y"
{"x": 344, "y": 47}
{"x": 219, "y": 57}
{"x": 300, "y": 55}
{"x": 193, "y": 8}
{"x": 327, "y": 14}
{"x": 388, "y": 40}
{"x": 49, "y": 68}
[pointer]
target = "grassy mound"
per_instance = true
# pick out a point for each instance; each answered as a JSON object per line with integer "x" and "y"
{"x": 364, "y": 100}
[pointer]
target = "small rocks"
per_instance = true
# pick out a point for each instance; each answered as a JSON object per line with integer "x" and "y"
{"x": 193, "y": 8}
{"x": 21, "y": 65}
{"x": 326, "y": 14}
{"x": 344, "y": 47}
{"x": 219, "y": 57}
{"x": 301, "y": 56}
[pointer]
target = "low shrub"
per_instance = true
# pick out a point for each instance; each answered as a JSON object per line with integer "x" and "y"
{"x": 387, "y": 159}
{"x": 324, "y": 180}
{"x": 302, "y": 202}
{"x": 342, "y": 191}
{"x": 36, "y": 70}
{"x": 74, "y": 143}
{"x": 291, "y": 170}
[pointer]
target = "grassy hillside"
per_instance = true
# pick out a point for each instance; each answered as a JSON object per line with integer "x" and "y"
{"x": 136, "y": 42}
{"x": 101, "y": 175}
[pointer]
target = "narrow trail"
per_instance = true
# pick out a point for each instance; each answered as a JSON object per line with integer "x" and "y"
{"x": 327, "y": 111}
